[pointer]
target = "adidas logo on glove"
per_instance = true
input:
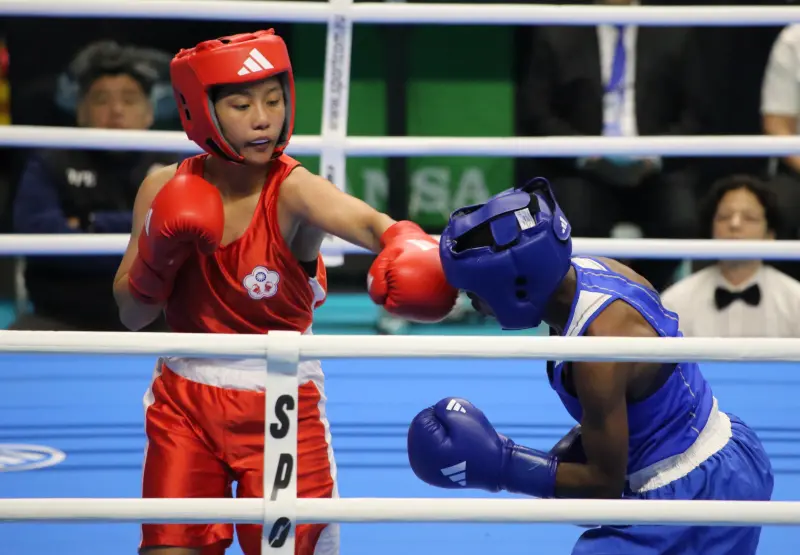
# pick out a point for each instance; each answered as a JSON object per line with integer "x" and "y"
{"x": 457, "y": 473}
{"x": 456, "y": 406}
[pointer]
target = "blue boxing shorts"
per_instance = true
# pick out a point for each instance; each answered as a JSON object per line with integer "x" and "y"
{"x": 737, "y": 469}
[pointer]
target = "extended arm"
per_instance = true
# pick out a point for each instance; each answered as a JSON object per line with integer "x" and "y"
{"x": 406, "y": 277}
{"x": 321, "y": 204}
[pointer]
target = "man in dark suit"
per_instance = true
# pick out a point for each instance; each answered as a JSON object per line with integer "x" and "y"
{"x": 615, "y": 81}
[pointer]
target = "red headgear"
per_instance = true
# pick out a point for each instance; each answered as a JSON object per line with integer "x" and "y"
{"x": 228, "y": 60}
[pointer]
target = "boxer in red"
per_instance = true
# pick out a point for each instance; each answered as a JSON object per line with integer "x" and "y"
{"x": 228, "y": 242}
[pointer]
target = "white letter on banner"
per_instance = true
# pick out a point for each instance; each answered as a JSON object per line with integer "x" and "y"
{"x": 280, "y": 444}
{"x": 430, "y": 192}
{"x": 471, "y": 189}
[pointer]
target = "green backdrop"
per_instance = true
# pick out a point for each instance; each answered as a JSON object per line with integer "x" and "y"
{"x": 460, "y": 85}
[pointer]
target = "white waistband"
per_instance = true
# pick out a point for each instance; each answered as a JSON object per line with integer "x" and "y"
{"x": 715, "y": 436}
{"x": 243, "y": 374}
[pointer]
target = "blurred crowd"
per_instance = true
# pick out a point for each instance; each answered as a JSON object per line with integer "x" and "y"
{"x": 573, "y": 81}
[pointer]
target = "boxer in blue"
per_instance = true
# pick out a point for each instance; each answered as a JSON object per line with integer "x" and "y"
{"x": 645, "y": 430}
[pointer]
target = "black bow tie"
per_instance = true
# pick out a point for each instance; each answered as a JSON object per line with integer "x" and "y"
{"x": 723, "y": 297}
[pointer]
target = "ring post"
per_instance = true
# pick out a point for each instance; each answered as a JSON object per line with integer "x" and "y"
{"x": 280, "y": 443}
{"x": 336, "y": 101}
{"x": 336, "y": 93}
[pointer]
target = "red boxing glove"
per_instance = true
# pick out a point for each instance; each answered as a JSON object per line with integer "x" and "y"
{"x": 407, "y": 278}
{"x": 186, "y": 214}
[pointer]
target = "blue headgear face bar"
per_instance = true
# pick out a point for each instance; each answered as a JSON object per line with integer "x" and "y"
{"x": 521, "y": 266}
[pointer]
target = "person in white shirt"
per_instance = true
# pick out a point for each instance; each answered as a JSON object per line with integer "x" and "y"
{"x": 738, "y": 298}
{"x": 780, "y": 116}
{"x": 780, "y": 90}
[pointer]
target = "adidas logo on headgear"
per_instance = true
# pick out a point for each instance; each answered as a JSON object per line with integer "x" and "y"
{"x": 254, "y": 63}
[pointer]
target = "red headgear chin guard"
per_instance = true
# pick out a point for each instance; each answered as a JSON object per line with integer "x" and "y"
{"x": 235, "y": 59}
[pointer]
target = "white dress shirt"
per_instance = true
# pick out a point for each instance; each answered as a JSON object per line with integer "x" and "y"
{"x": 776, "y": 315}
{"x": 780, "y": 89}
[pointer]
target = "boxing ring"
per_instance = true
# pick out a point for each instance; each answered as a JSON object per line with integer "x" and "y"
{"x": 79, "y": 394}
{"x": 88, "y": 406}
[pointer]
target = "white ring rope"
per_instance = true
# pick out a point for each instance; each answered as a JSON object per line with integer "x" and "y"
{"x": 670, "y": 249}
{"x": 315, "y": 347}
{"x": 564, "y": 511}
{"x": 401, "y": 13}
{"x": 283, "y": 359}
{"x": 29, "y": 136}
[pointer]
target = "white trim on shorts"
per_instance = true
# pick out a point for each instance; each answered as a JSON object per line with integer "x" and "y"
{"x": 713, "y": 438}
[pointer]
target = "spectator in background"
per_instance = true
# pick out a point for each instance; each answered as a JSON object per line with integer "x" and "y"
{"x": 616, "y": 81}
{"x": 80, "y": 192}
{"x": 738, "y": 298}
{"x": 780, "y": 113}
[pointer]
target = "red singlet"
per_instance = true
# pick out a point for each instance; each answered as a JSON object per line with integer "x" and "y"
{"x": 252, "y": 285}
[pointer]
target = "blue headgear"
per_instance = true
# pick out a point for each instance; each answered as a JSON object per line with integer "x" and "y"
{"x": 514, "y": 251}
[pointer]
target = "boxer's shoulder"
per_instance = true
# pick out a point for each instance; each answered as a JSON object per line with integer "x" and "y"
{"x": 301, "y": 189}
{"x": 160, "y": 176}
{"x": 152, "y": 184}
{"x": 157, "y": 179}
{"x": 297, "y": 176}
{"x": 620, "y": 319}
{"x": 625, "y": 271}
{"x": 623, "y": 316}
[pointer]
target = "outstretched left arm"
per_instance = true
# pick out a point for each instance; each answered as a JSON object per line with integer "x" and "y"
{"x": 321, "y": 204}
{"x": 406, "y": 277}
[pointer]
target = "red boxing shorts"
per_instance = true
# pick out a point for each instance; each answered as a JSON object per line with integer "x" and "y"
{"x": 201, "y": 438}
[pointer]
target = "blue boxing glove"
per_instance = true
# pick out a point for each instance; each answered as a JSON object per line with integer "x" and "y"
{"x": 453, "y": 445}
